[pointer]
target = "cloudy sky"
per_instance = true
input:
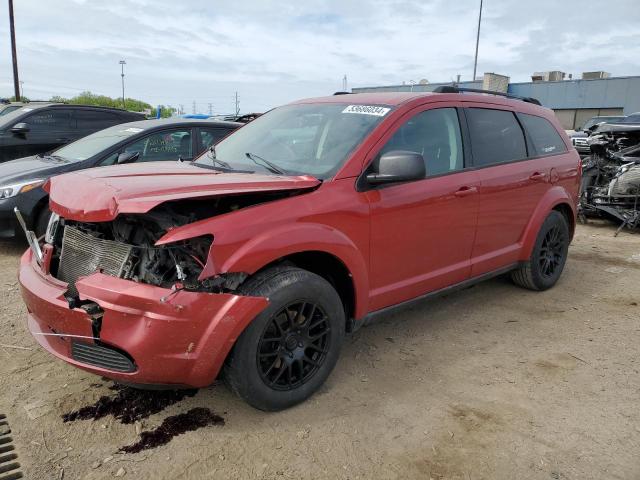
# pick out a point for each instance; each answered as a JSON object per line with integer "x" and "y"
{"x": 178, "y": 52}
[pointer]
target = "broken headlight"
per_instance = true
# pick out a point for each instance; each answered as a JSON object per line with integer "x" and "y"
{"x": 52, "y": 228}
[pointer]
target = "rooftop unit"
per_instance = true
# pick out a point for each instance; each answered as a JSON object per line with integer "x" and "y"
{"x": 552, "y": 76}
{"x": 495, "y": 82}
{"x": 595, "y": 75}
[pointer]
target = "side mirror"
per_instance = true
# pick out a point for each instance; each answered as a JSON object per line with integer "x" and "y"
{"x": 20, "y": 128}
{"x": 398, "y": 166}
{"x": 127, "y": 157}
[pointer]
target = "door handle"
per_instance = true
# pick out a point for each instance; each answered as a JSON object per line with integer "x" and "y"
{"x": 538, "y": 176}
{"x": 466, "y": 191}
{"x": 62, "y": 139}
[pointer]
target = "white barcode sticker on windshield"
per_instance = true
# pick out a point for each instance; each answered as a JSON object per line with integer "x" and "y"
{"x": 367, "y": 110}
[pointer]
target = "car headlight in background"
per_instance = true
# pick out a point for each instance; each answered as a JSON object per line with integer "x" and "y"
{"x": 8, "y": 191}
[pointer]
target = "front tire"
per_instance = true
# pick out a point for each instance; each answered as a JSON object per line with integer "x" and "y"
{"x": 42, "y": 221}
{"x": 548, "y": 257}
{"x": 289, "y": 350}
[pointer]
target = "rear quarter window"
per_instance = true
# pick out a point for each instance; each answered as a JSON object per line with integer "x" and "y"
{"x": 545, "y": 138}
{"x": 496, "y": 136}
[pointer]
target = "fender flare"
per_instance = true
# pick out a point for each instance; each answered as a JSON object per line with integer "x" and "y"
{"x": 553, "y": 197}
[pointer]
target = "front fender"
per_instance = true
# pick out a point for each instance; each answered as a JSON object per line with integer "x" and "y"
{"x": 554, "y": 196}
{"x": 241, "y": 250}
{"x": 285, "y": 240}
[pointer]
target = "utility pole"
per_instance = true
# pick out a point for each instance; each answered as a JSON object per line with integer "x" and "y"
{"x": 210, "y": 108}
{"x": 181, "y": 110}
{"x": 14, "y": 55}
{"x": 122, "y": 64}
{"x": 21, "y": 88}
{"x": 237, "y": 105}
{"x": 344, "y": 83}
{"x": 194, "y": 107}
{"x": 475, "y": 61}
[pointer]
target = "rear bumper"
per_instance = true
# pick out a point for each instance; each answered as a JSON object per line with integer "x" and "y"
{"x": 183, "y": 341}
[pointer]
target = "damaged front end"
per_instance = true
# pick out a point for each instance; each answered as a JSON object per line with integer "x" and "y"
{"x": 122, "y": 290}
{"x": 107, "y": 299}
{"x": 611, "y": 176}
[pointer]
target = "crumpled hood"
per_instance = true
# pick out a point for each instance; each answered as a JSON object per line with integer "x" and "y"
{"x": 101, "y": 194}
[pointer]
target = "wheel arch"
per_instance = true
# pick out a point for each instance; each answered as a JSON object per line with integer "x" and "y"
{"x": 317, "y": 248}
{"x": 329, "y": 267}
{"x": 557, "y": 199}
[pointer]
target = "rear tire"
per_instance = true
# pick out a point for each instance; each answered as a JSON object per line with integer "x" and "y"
{"x": 544, "y": 267}
{"x": 288, "y": 351}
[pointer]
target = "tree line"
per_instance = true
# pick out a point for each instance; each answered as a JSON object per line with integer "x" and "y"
{"x": 131, "y": 104}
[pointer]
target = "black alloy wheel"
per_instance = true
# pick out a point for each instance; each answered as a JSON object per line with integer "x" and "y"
{"x": 288, "y": 351}
{"x": 548, "y": 257}
{"x": 294, "y": 345}
{"x": 552, "y": 251}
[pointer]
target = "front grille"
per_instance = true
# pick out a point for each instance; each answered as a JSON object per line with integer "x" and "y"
{"x": 83, "y": 254}
{"x": 101, "y": 356}
{"x": 9, "y": 466}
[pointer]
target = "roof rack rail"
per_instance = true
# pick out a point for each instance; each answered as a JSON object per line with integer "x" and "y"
{"x": 342, "y": 93}
{"x": 454, "y": 89}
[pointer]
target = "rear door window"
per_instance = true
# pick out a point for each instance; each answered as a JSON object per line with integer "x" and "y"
{"x": 211, "y": 136}
{"x": 93, "y": 120}
{"x": 496, "y": 136}
{"x": 545, "y": 138}
{"x": 164, "y": 145}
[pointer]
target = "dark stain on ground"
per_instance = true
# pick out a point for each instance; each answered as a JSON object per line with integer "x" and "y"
{"x": 173, "y": 426}
{"x": 129, "y": 404}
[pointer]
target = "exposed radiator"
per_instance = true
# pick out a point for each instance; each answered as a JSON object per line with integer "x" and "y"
{"x": 83, "y": 254}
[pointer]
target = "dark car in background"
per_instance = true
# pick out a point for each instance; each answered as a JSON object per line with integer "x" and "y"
{"x": 21, "y": 180}
{"x": 40, "y": 127}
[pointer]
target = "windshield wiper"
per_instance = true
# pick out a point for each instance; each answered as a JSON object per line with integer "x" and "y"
{"x": 215, "y": 160}
{"x": 55, "y": 157}
{"x": 265, "y": 163}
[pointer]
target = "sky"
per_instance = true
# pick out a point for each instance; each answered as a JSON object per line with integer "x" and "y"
{"x": 181, "y": 52}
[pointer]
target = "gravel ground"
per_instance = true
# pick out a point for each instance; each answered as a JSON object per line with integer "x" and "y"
{"x": 492, "y": 382}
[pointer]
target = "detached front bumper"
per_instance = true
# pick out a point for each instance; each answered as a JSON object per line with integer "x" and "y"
{"x": 182, "y": 341}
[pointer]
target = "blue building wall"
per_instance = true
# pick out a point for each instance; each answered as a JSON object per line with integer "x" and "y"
{"x": 618, "y": 92}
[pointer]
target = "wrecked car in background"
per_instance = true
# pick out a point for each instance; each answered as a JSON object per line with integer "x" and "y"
{"x": 611, "y": 174}
{"x": 305, "y": 223}
{"x": 579, "y": 137}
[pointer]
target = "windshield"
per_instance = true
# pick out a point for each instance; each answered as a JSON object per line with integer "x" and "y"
{"x": 311, "y": 139}
{"x": 9, "y": 109}
{"x": 95, "y": 143}
{"x": 597, "y": 120}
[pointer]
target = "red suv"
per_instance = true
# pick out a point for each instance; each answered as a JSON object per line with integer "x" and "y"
{"x": 256, "y": 258}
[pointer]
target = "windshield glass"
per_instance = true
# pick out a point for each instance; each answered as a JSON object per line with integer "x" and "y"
{"x": 313, "y": 139}
{"x": 597, "y": 120}
{"x": 95, "y": 143}
{"x": 9, "y": 109}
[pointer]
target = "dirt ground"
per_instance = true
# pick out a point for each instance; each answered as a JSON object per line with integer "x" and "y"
{"x": 493, "y": 382}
